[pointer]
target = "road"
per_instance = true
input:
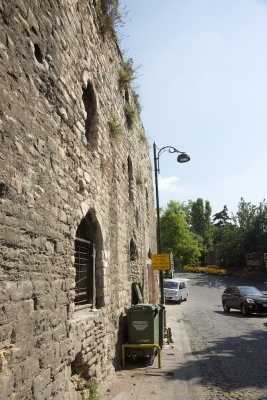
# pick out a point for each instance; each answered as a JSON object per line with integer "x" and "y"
{"x": 214, "y": 355}
{"x": 229, "y": 350}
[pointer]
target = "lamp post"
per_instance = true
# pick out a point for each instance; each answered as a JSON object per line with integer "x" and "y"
{"x": 181, "y": 158}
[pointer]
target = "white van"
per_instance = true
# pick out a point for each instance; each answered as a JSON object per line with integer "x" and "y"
{"x": 176, "y": 289}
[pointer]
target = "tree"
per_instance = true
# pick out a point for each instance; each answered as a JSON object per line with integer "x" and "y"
{"x": 252, "y": 222}
{"x": 246, "y": 233}
{"x": 201, "y": 224}
{"x": 227, "y": 245}
{"x": 176, "y": 237}
{"x": 221, "y": 218}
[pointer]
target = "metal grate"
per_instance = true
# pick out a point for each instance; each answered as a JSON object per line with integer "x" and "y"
{"x": 82, "y": 263}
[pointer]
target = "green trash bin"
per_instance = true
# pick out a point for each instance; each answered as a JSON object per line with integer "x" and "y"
{"x": 143, "y": 328}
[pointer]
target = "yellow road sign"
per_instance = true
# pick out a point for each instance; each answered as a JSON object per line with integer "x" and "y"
{"x": 161, "y": 261}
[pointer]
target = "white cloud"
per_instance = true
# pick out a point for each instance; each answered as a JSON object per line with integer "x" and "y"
{"x": 170, "y": 184}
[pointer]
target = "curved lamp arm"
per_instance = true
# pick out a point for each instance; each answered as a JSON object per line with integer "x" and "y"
{"x": 182, "y": 157}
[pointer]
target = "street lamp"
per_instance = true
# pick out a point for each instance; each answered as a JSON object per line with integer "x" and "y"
{"x": 181, "y": 158}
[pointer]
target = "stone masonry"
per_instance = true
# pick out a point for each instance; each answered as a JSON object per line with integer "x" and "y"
{"x": 75, "y": 169}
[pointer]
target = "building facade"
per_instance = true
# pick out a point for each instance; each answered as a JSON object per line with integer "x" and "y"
{"x": 77, "y": 213}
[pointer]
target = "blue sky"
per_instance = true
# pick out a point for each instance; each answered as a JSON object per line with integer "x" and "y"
{"x": 203, "y": 89}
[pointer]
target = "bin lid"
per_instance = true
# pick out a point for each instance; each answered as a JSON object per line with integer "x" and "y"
{"x": 144, "y": 307}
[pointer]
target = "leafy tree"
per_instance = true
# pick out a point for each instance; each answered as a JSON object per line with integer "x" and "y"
{"x": 252, "y": 222}
{"x": 221, "y": 218}
{"x": 176, "y": 237}
{"x": 201, "y": 224}
{"x": 198, "y": 216}
{"x": 247, "y": 233}
{"x": 227, "y": 246}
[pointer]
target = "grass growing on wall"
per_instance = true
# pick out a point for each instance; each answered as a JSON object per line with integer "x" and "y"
{"x": 112, "y": 17}
{"x": 126, "y": 73}
{"x": 114, "y": 126}
{"x": 92, "y": 385}
{"x": 130, "y": 114}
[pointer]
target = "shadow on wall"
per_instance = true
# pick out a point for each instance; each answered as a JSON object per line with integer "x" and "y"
{"x": 137, "y": 298}
{"x": 122, "y": 338}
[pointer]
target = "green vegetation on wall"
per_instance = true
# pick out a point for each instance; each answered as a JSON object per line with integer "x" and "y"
{"x": 114, "y": 126}
{"x": 130, "y": 115}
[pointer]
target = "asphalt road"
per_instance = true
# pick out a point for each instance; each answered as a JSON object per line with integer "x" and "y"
{"x": 229, "y": 350}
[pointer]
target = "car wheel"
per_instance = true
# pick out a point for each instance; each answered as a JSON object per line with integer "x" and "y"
{"x": 245, "y": 312}
{"x": 179, "y": 301}
{"x": 185, "y": 299}
{"x": 226, "y": 308}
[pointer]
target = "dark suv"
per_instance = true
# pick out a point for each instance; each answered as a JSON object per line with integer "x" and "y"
{"x": 247, "y": 299}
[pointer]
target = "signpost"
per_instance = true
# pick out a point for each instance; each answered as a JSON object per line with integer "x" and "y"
{"x": 171, "y": 273}
{"x": 161, "y": 261}
{"x": 171, "y": 260}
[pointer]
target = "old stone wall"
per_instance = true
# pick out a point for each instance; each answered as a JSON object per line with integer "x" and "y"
{"x": 74, "y": 166}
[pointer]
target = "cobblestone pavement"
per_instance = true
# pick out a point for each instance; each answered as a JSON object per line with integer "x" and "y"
{"x": 214, "y": 355}
{"x": 229, "y": 350}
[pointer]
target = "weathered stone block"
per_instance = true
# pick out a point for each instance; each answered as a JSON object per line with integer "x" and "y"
{"x": 6, "y": 288}
{"x": 41, "y": 322}
{"x": 49, "y": 246}
{"x": 41, "y": 383}
{"x": 45, "y": 301}
{"x": 26, "y": 308}
{"x": 50, "y": 355}
{"x": 28, "y": 368}
{"x": 6, "y": 383}
{"x": 24, "y": 290}
{"x": 5, "y": 334}
{"x": 59, "y": 333}
{"x": 25, "y": 391}
{"x": 40, "y": 287}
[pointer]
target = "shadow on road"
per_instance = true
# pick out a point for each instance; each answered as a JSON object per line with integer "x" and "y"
{"x": 220, "y": 365}
{"x": 237, "y": 314}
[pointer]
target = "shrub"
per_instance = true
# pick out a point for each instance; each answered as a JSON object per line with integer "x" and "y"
{"x": 114, "y": 126}
{"x": 111, "y": 16}
{"x": 126, "y": 74}
{"x": 130, "y": 114}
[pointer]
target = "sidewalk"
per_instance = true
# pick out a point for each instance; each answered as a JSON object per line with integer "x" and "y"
{"x": 170, "y": 382}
